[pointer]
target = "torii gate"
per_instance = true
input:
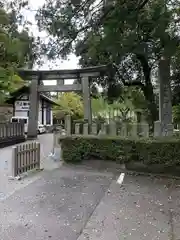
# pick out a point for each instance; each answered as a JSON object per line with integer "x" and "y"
{"x": 36, "y": 76}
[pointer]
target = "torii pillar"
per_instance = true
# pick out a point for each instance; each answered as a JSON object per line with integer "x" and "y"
{"x": 34, "y": 109}
{"x": 86, "y": 99}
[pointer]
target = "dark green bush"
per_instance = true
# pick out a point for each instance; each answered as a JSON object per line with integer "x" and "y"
{"x": 157, "y": 151}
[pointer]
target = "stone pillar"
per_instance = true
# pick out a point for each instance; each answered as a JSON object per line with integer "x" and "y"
{"x": 165, "y": 104}
{"x": 124, "y": 130}
{"x": 77, "y": 128}
{"x": 94, "y": 128}
{"x": 86, "y": 99}
{"x": 33, "y": 109}
{"x": 145, "y": 130}
{"x": 85, "y": 129}
{"x": 112, "y": 128}
{"x": 134, "y": 129}
{"x": 68, "y": 125}
{"x": 157, "y": 129}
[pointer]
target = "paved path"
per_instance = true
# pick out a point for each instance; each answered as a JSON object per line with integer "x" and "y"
{"x": 73, "y": 203}
{"x": 142, "y": 209}
{"x": 7, "y": 187}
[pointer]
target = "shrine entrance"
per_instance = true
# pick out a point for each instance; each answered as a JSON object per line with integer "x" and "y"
{"x": 83, "y": 84}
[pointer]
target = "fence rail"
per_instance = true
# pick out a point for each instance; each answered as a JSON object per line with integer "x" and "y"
{"x": 11, "y": 133}
{"x": 11, "y": 129}
{"x": 25, "y": 157}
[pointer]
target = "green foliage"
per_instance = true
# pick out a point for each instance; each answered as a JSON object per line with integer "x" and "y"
{"x": 15, "y": 45}
{"x": 176, "y": 113}
{"x": 157, "y": 151}
{"x": 100, "y": 107}
{"x": 131, "y": 99}
{"x": 16, "y": 48}
{"x": 69, "y": 104}
{"x": 132, "y": 35}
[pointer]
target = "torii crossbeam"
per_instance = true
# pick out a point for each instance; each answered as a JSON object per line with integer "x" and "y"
{"x": 36, "y": 76}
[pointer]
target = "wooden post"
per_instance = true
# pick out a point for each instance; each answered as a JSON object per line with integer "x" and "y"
{"x": 1, "y": 131}
{"x": 14, "y": 165}
{"x": 86, "y": 99}
{"x": 38, "y": 149}
{"x": 33, "y": 110}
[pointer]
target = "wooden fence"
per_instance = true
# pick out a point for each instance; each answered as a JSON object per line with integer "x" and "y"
{"x": 11, "y": 133}
{"x": 25, "y": 157}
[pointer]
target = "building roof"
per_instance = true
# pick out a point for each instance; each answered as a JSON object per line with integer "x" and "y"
{"x": 26, "y": 90}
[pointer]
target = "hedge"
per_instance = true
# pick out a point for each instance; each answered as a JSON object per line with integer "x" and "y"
{"x": 148, "y": 151}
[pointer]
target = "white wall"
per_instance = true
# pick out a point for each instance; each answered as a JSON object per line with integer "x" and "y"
{"x": 22, "y": 108}
{"x": 22, "y": 111}
{"x": 40, "y": 112}
{"x": 21, "y": 114}
{"x": 44, "y": 116}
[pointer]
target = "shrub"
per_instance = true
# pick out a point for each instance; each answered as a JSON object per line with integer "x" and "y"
{"x": 157, "y": 151}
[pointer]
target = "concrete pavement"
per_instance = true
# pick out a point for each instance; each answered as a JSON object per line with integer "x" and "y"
{"x": 138, "y": 210}
{"x": 86, "y": 202}
{"x": 56, "y": 206}
{"x": 8, "y": 187}
{"x": 76, "y": 203}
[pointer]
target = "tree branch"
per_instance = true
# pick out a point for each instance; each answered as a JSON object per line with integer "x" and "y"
{"x": 130, "y": 83}
{"x": 145, "y": 66}
{"x": 142, "y": 5}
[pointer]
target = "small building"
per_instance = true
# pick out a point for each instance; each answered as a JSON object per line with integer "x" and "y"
{"x": 21, "y": 103}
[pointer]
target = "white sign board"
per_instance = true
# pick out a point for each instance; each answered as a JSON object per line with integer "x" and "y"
{"x": 22, "y": 105}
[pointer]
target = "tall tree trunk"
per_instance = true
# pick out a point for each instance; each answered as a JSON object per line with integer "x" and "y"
{"x": 152, "y": 106}
{"x": 147, "y": 89}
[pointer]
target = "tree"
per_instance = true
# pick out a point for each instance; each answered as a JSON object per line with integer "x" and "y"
{"x": 119, "y": 110}
{"x": 15, "y": 47}
{"x": 131, "y": 38}
{"x": 69, "y": 104}
{"x": 100, "y": 107}
{"x": 176, "y": 114}
{"x": 130, "y": 102}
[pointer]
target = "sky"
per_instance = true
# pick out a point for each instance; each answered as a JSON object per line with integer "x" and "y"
{"x": 72, "y": 61}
